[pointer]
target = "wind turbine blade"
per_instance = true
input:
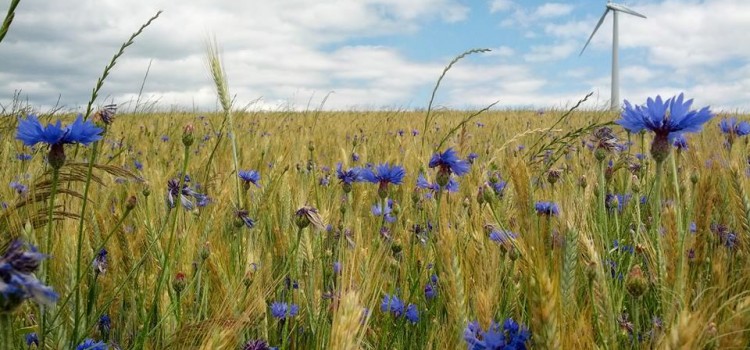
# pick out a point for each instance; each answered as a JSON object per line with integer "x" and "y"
{"x": 601, "y": 20}
{"x": 622, "y": 8}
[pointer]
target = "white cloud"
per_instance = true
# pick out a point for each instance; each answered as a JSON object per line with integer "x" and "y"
{"x": 267, "y": 50}
{"x": 502, "y": 51}
{"x": 542, "y": 53}
{"x": 288, "y": 57}
{"x": 500, "y": 5}
{"x": 553, "y": 9}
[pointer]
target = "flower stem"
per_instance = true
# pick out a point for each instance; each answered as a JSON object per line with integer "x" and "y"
{"x": 153, "y": 315}
{"x": 48, "y": 249}
{"x": 656, "y": 226}
{"x": 680, "y": 232}
{"x": 79, "y": 246}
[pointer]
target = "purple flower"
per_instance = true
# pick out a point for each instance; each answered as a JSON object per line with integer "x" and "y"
{"x": 32, "y": 338}
{"x": 422, "y": 183}
{"x": 412, "y": 314}
{"x": 17, "y": 280}
{"x": 138, "y": 165}
{"x": 500, "y": 235}
{"x": 347, "y": 177}
{"x": 430, "y": 291}
{"x": 105, "y": 325}
{"x": 19, "y": 187}
{"x": 510, "y": 336}
{"x": 256, "y": 345}
{"x": 244, "y": 218}
{"x": 378, "y": 210}
{"x": 732, "y": 127}
{"x": 100, "y": 262}
{"x": 666, "y": 119}
{"x": 250, "y": 177}
{"x": 173, "y": 190}
{"x": 547, "y": 208}
{"x": 383, "y": 175}
{"x": 90, "y": 344}
{"x": 337, "y": 267}
{"x": 392, "y": 304}
{"x": 448, "y": 163}
{"x": 680, "y": 142}
{"x": 31, "y": 132}
{"x": 472, "y": 157}
{"x": 283, "y": 310}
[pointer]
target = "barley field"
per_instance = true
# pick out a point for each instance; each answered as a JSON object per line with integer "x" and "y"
{"x": 432, "y": 229}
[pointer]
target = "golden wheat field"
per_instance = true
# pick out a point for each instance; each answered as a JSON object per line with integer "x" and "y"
{"x": 599, "y": 274}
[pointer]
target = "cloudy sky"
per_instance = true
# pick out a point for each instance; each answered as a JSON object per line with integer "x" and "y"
{"x": 376, "y": 53}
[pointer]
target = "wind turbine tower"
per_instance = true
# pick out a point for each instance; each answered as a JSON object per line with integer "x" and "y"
{"x": 616, "y": 9}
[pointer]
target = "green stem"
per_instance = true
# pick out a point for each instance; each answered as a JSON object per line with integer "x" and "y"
{"x": 6, "y": 324}
{"x": 680, "y": 232}
{"x": 165, "y": 264}
{"x": 656, "y": 225}
{"x": 79, "y": 246}
{"x": 48, "y": 249}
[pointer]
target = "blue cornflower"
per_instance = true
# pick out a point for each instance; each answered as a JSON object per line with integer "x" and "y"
{"x": 337, "y": 267}
{"x": 414, "y": 132}
{"x": 31, "y": 132}
{"x": 90, "y": 344}
{"x": 499, "y": 235}
{"x": 138, "y": 165}
{"x": 17, "y": 280}
{"x": 244, "y": 218}
{"x": 392, "y": 304}
{"x": 23, "y": 157}
{"x": 283, "y": 310}
{"x": 348, "y": 177}
{"x": 378, "y": 210}
{"x": 449, "y": 163}
{"x": 383, "y": 175}
{"x": 32, "y": 338}
{"x": 510, "y": 336}
{"x": 666, "y": 119}
{"x": 680, "y": 142}
{"x": 616, "y": 246}
{"x": 105, "y": 325}
{"x": 173, "y": 190}
{"x": 19, "y": 187}
{"x": 257, "y": 345}
{"x": 430, "y": 291}
{"x": 472, "y": 157}
{"x": 100, "y": 262}
{"x": 324, "y": 181}
{"x": 422, "y": 183}
{"x": 732, "y": 127}
{"x": 616, "y": 201}
{"x": 164, "y": 138}
{"x": 249, "y": 177}
{"x": 547, "y": 208}
{"x": 412, "y": 313}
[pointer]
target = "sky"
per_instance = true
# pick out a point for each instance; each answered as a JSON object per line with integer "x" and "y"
{"x": 374, "y": 54}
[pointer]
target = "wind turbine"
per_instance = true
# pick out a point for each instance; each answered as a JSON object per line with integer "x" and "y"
{"x": 615, "y": 8}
